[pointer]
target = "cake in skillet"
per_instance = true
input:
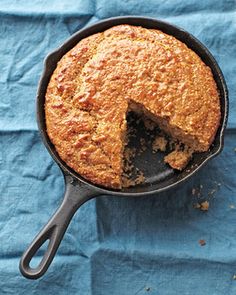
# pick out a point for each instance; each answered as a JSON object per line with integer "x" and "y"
{"x": 128, "y": 68}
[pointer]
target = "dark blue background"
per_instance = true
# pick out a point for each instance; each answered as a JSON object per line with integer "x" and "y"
{"x": 114, "y": 246}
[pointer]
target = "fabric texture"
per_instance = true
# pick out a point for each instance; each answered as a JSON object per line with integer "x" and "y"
{"x": 119, "y": 246}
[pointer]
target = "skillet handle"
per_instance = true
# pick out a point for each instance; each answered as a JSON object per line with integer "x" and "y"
{"x": 75, "y": 195}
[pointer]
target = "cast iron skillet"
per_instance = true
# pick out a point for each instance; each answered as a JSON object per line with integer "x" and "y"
{"x": 159, "y": 177}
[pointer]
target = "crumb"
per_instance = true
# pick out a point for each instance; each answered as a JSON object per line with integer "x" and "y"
{"x": 131, "y": 175}
{"x": 234, "y": 277}
{"x": 128, "y": 182}
{"x": 147, "y": 289}
{"x": 194, "y": 191}
{"x": 201, "y": 186}
{"x": 197, "y": 192}
{"x": 129, "y": 153}
{"x": 143, "y": 146}
{"x": 204, "y": 206}
{"x": 140, "y": 178}
{"x": 202, "y": 242}
{"x": 212, "y": 192}
{"x": 131, "y": 132}
{"x": 142, "y": 141}
{"x": 159, "y": 143}
{"x": 196, "y": 206}
{"x": 235, "y": 150}
{"x": 178, "y": 159}
{"x": 149, "y": 124}
{"x": 232, "y": 206}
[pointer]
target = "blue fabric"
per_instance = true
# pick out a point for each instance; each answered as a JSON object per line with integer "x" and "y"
{"x": 119, "y": 246}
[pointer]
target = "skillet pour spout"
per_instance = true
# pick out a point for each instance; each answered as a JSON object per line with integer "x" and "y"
{"x": 158, "y": 177}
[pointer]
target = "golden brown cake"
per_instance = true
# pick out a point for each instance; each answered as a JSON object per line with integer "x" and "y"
{"x": 178, "y": 159}
{"x": 127, "y": 68}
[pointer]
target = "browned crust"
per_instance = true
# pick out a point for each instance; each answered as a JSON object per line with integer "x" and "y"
{"x": 88, "y": 95}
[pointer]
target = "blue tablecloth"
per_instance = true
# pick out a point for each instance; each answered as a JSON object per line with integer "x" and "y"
{"x": 113, "y": 246}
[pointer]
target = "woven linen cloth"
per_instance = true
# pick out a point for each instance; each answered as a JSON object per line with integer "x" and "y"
{"x": 119, "y": 246}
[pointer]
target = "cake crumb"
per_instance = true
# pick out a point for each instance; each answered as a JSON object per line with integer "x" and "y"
{"x": 211, "y": 192}
{"x": 142, "y": 141}
{"x": 149, "y": 124}
{"x": 143, "y": 146}
{"x": 131, "y": 132}
{"x": 129, "y": 153}
{"x": 202, "y": 242}
{"x": 234, "y": 277}
{"x": 194, "y": 191}
{"x": 147, "y": 289}
{"x": 128, "y": 182}
{"x": 159, "y": 144}
{"x": 197, "y": 192}
{"x": 140, "y": 178}
{"x": 204, "y": 206}
{"x": 131, "y": 175}
{"x": 196, "y": 206}
{"x": 178, "y": 159}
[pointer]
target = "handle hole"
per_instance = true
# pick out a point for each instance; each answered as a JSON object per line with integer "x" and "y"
{"x": 37, "y": 258}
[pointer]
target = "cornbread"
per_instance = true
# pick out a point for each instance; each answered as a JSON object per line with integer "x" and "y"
{"x": 127, "y": 68}
{"x": 159, "y": 143}
{"x": 202, "y": 242}
{"x": 178, "y": 159}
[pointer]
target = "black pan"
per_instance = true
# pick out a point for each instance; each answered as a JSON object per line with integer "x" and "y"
{"x": 159, "y": 177}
